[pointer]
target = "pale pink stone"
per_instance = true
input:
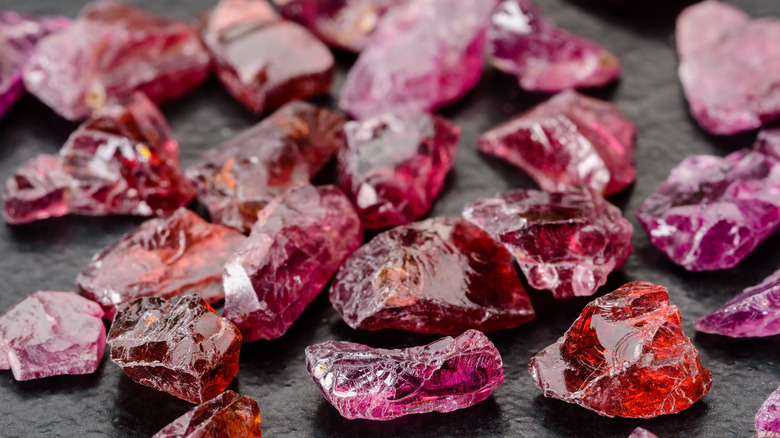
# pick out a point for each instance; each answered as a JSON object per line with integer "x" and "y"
{"x": 640, "y": 432}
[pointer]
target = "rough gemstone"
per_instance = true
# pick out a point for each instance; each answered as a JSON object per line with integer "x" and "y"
{"x": 768, "y": 416}
{"x": 52, "y": 333}
{"x": 626, "y": 355}
{"x": 441, "y": 275}
{"x": 226, "y": 415}
{"x": 564, "y": 242}
{"x": 123, "y": 160}
{"x": 640, "y": 432}
{"x": 524, "y": 43}
{"x": 729, "y": 67}
{"x": 424, "y": 54}
{"x": 568, "y": 141}
{"x": 180, "y": 346}
{"x": 393, "y": 167}
{"x": 379, "y": 384}
{"x": 163, "y": 257}
{"x": 263, "y": 61}
{"x": 298, "y": 243}
{"x": 110, "y": 51}
{"x": 240, "y": 177}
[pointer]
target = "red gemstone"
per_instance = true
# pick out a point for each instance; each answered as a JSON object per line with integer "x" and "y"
{"x": 226, "y": 415}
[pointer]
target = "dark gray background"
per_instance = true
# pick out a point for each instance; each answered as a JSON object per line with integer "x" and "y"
{"x": 48, "y": 256}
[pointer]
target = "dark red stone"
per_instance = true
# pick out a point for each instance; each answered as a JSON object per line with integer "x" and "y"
{"x": 227, "y": 415}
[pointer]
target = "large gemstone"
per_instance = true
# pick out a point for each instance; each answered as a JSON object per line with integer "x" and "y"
{"x": 163, "y": 257}
{"x": 568, "y": 141}
{"x": 393, "y": 167}
{"x": 51, "y": 333}
{"x": 441, "y": 275}
{"x": 110, "y": 51}
{"x": 298, "y": 243}
{"x": 226, "y": 415}
{"x": 522, "y": 42}
{"x": 240, "y": 177}
{"x": 626, "y": 355}
{"x": 424, "y": 54}
{"x": 564, "y": 242}
{"x": 768, "y": 416}
{"x": 379, "y": 384}
{"x": 180, "y": 346}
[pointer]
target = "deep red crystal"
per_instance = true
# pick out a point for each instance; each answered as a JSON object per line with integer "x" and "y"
{"x": 227, "y": 415}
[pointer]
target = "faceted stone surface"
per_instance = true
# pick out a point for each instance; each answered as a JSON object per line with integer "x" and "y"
{"x": 123, "y": 160}
{"x": 424, "y": 54}
{"x": 393, "y": 167}
{"x": 163, "y": 257}
{"x": 522, "y": 42}
{"x": 568, "y": 141}
{"x": 20, "y": 34}
{"x": 768, "y": 416}
{"x": 379, "y": 384}
{"x": 226, "y": 415}
{"x": 298, "y": 243}
{"x": 110, "y": 51}
{"x": 441, "y": 275}
{"x": 51, "y": 333}
{"x": 626, "y": 355}
{"x": 729, "y": 67}
{"x": 642, "y": 433}
{"x": 564, "y": 242}
{"x": 240, "y": 177}
{"x": 262, "y": 61}
{"x": 180, "y": 346}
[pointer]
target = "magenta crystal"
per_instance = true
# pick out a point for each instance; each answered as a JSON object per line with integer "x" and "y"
{"x": 640, "y": 432}
{"x": 768, "y": 416}
{"x": 226, "y": 415}
{"x": 564, "y": 242}
{"x": 52, "y": 333}
{"x": 568, "y": 141}
{"x": 393, "y": 167}
{"x": 378, "y": 384}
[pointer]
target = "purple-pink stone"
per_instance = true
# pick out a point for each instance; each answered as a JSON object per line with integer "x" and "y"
{"x": 378, "y": 384}
{"x": 640, "y": 432}
{"x": 768, "y": 416}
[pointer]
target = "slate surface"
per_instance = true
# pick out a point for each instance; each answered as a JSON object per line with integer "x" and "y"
{"x": 49, "y": 255}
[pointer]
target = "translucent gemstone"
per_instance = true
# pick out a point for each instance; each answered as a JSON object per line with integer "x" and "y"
{"x": 768, "y": 416}
{"x": 568, "y": 141}
{"x": 564, "y": 242}
{"x": 298, "y": 243}
{"x": 441, "y": 275}
{"x": 626, "y": 355}
{"x": 110, "y": 51}
{"x": 180, "y": 346}
{"x": 226, "y": 415}
{"x": 240, "y": 177}
{"x": 393, "y": 167}
{"x": 379, "y": 384}
{"x": 52, "y": 333}
{"x": 640, "y": 432}
{"x": 522, "y": 42}
{"x": 163, "y": 257}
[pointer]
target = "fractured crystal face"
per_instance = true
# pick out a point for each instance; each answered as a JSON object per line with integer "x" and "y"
{"x": 768, "y": 417}
{"x": 226, "y": 415}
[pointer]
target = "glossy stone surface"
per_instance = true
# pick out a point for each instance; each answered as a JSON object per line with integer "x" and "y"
{"x": 123, "y": 160}
{"x": 423, "y": 54}
{"x": 545, "y": 58}
{"x": 298, "y": 243}
{"x": 226, "y": 415}
{"x": 180, "y": 346}
{"x": 729, "y": 67}
{"x": 378, "y": 384}
{"x": 163, "y": 257}
{"x": 241, "y": 176}
{"x": 564, "y": 242}
{"x": 626, "y": 355}
{"x": 51, "y": 333}
{"x": 768, "y": 416}
{"x": 568, "y": 141}
{"x": 393, "y": 167}
{"x": 640, "y": 432}
{"x": 441, "y": 275}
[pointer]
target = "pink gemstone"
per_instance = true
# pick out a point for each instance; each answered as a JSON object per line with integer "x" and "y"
{"x": 424, "y": 54}
{"x": 52, "y": 333}
{"x": 226, "y": 415}
{"x": 441, "y": 275}
{"x": 640, "y": 432}
{"x": 768, "y": 416}
{"x": 729, "y": 67}
{"x": 110, "y": 51}
{"x": 522, "y": 42}
{"x": 564, "y": 242}
{"x": 378, "y": 384}
{"x": 568, "y": 141}
{"x": 163, "y": 257}
{"x": 240, "y": 177}
{"x": 393, "y": 167}
{"x": 298, "y": 243}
